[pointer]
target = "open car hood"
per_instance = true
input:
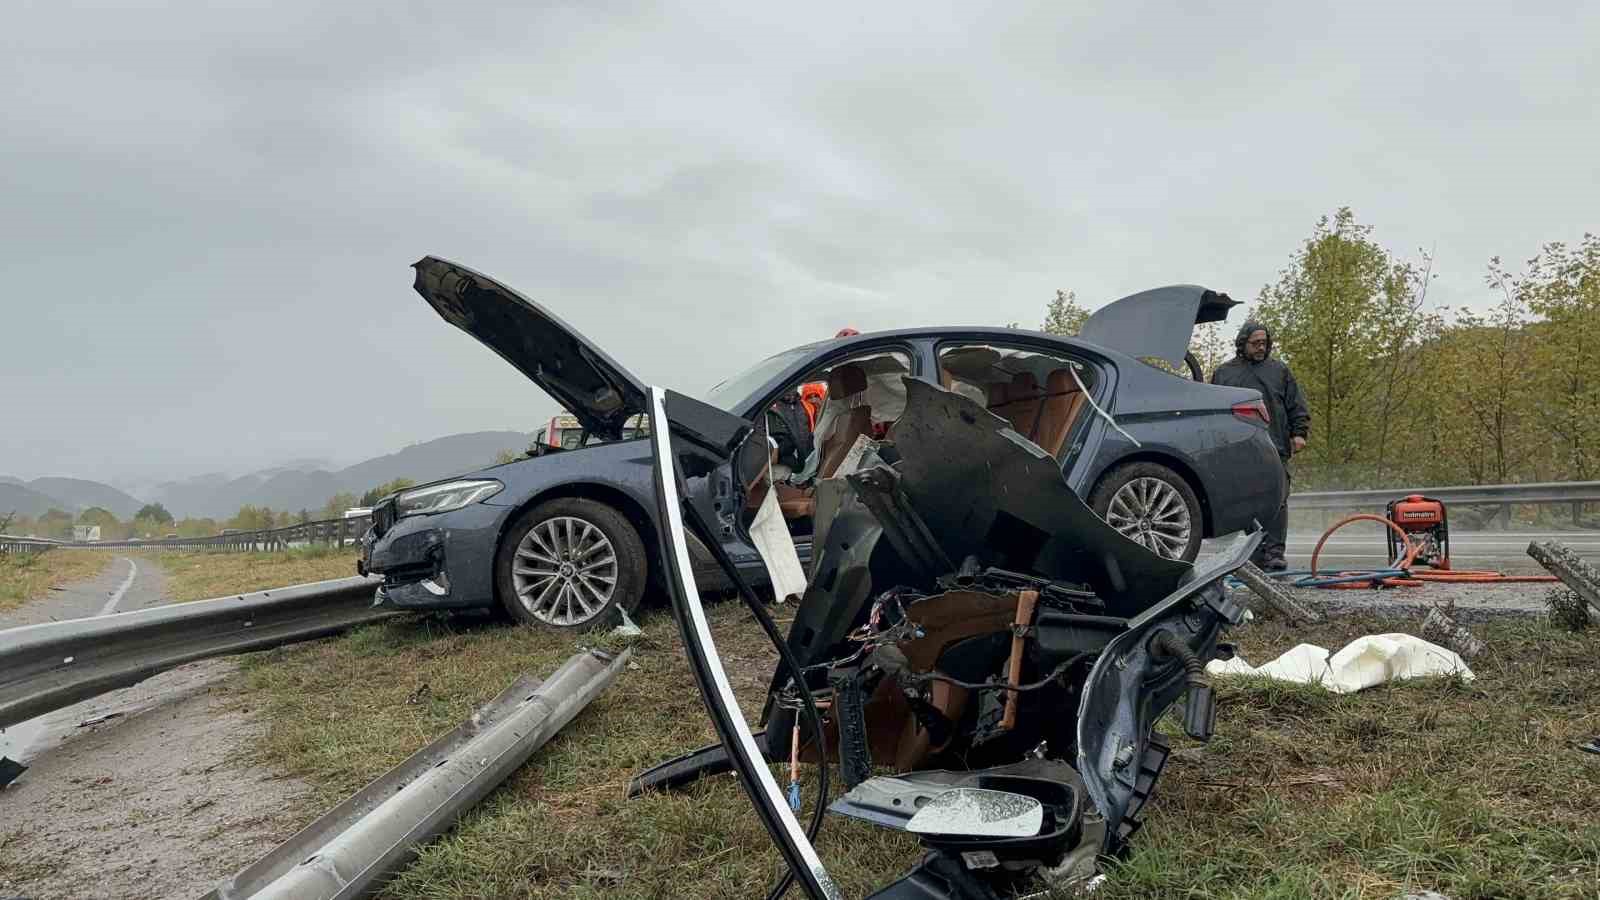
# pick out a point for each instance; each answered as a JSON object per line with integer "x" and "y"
{"x": 591, "y": 385}
{"x": 1156, "y": 324}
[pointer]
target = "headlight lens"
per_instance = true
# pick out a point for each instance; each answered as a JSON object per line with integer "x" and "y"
{"x": 438, "y": 498}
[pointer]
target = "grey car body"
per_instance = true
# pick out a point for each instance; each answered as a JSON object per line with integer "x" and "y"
{"x": 448, "y": 559}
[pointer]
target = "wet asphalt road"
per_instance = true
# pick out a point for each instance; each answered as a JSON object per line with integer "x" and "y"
{"x": 1360, "y": 545}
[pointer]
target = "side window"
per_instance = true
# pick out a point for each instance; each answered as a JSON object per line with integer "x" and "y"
{"x": 1040, "y": 394}
{"x": 824, "y": 412}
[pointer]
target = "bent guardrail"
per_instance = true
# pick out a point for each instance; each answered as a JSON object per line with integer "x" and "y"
{"x": 355, "y": 846}
{"x": 49, "y": 666}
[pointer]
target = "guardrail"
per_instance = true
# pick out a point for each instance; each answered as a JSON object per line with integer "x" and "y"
{"x": 12, "y": 544}
{"x": 333, "y": 532}
{"x": 49, "y": 666}
{"x": 1503, "y": 496}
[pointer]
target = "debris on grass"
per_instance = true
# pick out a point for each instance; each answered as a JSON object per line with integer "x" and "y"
{"x": 1364, "y": 662}
{"x": 1568, "y": 611}
{"x": 1438, "y": 626}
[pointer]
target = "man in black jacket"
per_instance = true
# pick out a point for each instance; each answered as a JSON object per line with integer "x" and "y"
{"x": 1289, "y": 419}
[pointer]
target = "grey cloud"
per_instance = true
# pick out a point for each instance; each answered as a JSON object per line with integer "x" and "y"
{"x": 210, "y": 211}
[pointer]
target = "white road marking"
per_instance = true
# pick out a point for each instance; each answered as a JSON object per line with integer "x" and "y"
{"x": 116, "y": 596}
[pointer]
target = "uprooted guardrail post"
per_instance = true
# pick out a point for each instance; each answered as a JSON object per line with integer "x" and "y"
{"x": 1276, "y": 597}
{"x": 350, "y": 850}
{"x": 1566, "y": 565}
{"x": 49, "y": 666}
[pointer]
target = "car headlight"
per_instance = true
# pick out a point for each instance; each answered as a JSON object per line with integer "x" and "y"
{"x": 438, "y": 498}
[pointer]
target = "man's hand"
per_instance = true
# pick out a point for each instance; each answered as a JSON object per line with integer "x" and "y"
{"x": 1298, "y": 443}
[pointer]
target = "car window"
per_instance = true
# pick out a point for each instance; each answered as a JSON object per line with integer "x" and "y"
{"x": 1040, "y": 394}
{"x": 732, "y": 392}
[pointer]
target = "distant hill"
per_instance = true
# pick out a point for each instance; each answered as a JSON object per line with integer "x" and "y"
{"x": 286, "y": 488}
{"x": 24, "y": 501}
{"x": 82, "y": 494}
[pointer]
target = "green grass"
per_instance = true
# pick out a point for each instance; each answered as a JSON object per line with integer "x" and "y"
{"x": 201, "y": 575}
{"x": 25, "y": 577}
{"x": 1469, "y": 788}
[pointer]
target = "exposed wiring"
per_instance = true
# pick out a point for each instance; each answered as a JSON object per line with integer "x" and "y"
{"x": 1052, "y": 678}
{"x": 1096, "y": 407}
{"x": 787, "y": 659}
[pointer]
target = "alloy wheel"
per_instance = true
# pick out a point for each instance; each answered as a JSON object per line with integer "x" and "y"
{"x": 564, "y": 571}
{"x": 1153, "y": 513}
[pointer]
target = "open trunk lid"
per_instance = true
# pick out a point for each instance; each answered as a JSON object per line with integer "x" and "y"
{"x": 580, "y": 376}
{"x": 1157, "y": 323}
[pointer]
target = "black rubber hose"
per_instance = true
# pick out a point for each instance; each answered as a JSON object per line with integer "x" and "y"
{"x": 787, "y": 658}
{"x": 1168, "y": 644}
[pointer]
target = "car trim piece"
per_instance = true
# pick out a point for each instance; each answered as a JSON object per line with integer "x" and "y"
{"x": 746, "y": 758}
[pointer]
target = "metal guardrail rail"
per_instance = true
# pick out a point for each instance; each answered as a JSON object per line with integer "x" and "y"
{"x": 53, "y": 665}
{"x": 355, "y": 846}
{"x": 333, "y": 532}
{"x": 1466, "y": 495}
{"x": 13, "y": 544}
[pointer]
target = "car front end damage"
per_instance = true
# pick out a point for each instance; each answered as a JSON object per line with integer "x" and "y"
{"x": 433, "y": 558}
{"x": 962, "y": 599}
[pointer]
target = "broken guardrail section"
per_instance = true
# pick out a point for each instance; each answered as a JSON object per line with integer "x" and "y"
{"x": 352, "y": 849}
{"x": 49, "y": 666}
{"x": 1572, "y": 569}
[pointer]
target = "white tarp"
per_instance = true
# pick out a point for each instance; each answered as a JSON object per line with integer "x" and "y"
{"x": 1364, "y": 662}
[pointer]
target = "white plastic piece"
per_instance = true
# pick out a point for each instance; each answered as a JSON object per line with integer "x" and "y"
{"x": 1366, "y": 661}
{"x": 771, "y": 536}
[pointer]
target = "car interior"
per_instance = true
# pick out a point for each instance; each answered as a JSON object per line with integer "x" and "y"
{"x": 1036, "y": 392}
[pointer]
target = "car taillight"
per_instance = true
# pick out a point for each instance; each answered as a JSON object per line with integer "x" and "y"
{"x": 1252, "y": 410}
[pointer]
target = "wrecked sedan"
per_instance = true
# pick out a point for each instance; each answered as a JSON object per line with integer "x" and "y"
{"x": 971, "y": 626}
{"x": 567, "y": 537}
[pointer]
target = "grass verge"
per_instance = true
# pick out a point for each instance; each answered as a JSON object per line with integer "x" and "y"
{"x": 30, "y": 576}
{"x": 1470, "y": 788}
{"x": 201, "y": 575}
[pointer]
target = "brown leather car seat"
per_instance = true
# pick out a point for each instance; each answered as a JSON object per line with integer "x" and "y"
{"x": 1020, "y": 403}
{"x": 1058, "y": 411}
{"x": 844, "y": 382}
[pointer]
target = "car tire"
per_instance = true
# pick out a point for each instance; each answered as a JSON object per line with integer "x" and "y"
{"x": 1152, "y": 505}
{"x": 557, "y": 560}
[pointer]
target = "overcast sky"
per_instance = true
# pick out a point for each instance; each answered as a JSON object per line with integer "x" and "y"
{"x": 209, "y": 213}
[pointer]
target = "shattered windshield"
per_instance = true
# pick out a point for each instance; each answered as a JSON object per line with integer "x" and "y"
{"x": 732, "y": 392}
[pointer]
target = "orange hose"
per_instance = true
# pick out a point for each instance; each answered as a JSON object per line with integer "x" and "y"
{"x": 1417, "y": 579}
{"x": 1403, "y": 563}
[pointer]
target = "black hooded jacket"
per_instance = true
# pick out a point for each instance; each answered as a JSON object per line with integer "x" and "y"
{"x": 1286, "y": 406}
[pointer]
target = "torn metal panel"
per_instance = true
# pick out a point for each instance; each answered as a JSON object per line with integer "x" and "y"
{"x": 744, "y": 754}
{"x": 1130, "y": 686}
{"x": 986, "y": 491}
{"x": 351, "y": 849}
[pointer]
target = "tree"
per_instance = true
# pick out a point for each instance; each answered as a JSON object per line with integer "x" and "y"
{"x": 1339, "y": 310}
{"x": 1562, "y": 285}
{"x": 1484, "y": 371}
{"x": 507, "y": 456}
{"x": 383, "y": 490}
{"x": 1063, "y": 315}
{"x": 337, "y": 504}
{"x": 55, "y": 523}
{"x": 253, "y": 518}
{"x": 155, "y": 513}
